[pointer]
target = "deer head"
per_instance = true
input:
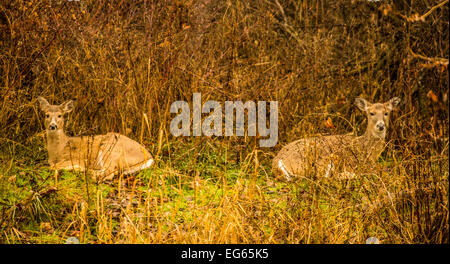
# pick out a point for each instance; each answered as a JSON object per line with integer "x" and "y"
{"x": 54, "y": 114}
{"x": 377, "y": 115}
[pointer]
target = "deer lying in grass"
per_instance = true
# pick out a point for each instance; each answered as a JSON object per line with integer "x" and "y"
{"x": 102, "y": 155}
{"x": 338, "y": 154}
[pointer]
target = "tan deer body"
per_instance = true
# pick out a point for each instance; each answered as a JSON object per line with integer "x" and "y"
{"x": 337, "y": 154}
{"x": 103, "y": 155}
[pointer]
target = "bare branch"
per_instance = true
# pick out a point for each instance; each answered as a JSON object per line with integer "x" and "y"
{"x": 436, "y": 61}
{"x": 422, "y": 17}
{"x": 386, "y": 9}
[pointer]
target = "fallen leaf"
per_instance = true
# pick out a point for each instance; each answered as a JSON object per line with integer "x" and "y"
{"x": 329, "y": 123}
{"x": 433, "y": 97}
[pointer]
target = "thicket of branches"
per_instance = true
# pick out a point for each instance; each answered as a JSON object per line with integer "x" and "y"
{"x": 120, "y": 60}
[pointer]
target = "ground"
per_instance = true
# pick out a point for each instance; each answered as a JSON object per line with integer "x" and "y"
{"x": 221, "y": 201}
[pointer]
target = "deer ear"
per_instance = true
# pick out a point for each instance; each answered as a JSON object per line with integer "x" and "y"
{"x": 393, "y": 103}
{"x": 43, "y": 103}
{"x": 67, "y": 107}
{"x": 362, "y": 104}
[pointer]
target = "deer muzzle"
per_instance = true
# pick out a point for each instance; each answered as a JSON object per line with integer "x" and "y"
{"x": 380, "y": 126}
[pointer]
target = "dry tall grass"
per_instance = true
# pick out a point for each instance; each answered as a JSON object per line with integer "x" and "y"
{"x": 125, "y": 63}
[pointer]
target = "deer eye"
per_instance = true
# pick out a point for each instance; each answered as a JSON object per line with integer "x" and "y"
{"x": 372, "y": 114}
{"x": 386, "y": 113}
{"x": 47, "y": 116}
{"x": 59, "y": 116}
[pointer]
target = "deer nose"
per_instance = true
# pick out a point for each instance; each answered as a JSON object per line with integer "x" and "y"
{"x": 52, "y": 127}
{"x": 380, "y": 126}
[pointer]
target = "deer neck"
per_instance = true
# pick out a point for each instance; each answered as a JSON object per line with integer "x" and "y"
{"x": 371, "y": 145}
{"x": 56, "y": 141}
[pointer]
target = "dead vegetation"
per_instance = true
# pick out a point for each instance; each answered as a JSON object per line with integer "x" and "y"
{"x": 125, "y": 63}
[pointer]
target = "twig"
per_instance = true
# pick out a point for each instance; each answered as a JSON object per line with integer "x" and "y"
{"x": 436, "y": 61}
{"x": 422, "y": 17}
{"x": 286, "y": 26}
{"x": 415, "y": 17}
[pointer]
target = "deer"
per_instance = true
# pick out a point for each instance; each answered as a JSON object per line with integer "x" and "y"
{"x": 104, "y": 156}
{"x": 337, "y": 156}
